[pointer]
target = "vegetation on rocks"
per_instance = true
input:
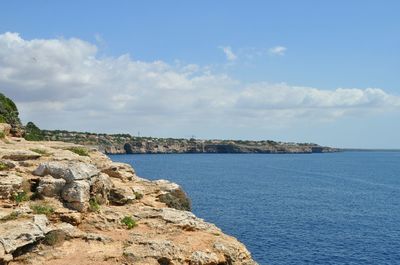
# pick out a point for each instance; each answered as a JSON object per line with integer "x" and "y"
{"x": 40, "y": 151}
{"x": 94, "y": 206}
{"x": 33, "y": 133}
{"x": 21, "y": 196}
{"x": 128, "y": 222}
{"x": 9, "y": 217}
{"x": 79, "y": 151}
{"x": 9, "y": 114}
{"x": 8, "y": 111}
{"x": 42, "y": 209}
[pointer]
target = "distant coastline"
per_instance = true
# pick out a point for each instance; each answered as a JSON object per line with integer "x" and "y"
{"x": 368, "y": 150}
{"x": 128, "y": 144}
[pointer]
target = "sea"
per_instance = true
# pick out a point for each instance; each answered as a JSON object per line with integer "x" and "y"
{"x": 332, "y": 208}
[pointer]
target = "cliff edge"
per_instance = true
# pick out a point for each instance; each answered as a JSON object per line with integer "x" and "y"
{"x": 61, "y": 203}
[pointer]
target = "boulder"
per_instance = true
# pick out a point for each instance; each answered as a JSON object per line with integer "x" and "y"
{"x": 70, "y": 171}
{"x": 76, "y": 195}
{"x": 9, "y": 184}
{"x": 173, "y": 195}
{"x": 50, "y": 187}
{"x": 121, "y": 196}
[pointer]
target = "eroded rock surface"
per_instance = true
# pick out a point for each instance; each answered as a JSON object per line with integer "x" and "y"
{"x": 90, "y": 210}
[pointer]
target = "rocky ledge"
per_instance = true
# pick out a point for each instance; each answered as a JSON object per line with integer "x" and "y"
{"x": 61, "y": 203}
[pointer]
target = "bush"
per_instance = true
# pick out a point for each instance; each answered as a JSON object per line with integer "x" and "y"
{"x": 40, "y": 151}
{"x": 3, "y": 166}
{"x": 128, "y": 222}
{"x": 94, "y": 206}
{"x": 33, "y": 133}
{"x": 138, "y": 195}
{"x": 79, "y": 151}
{"x": 9, "y": 112}
{"x": 21, "y": 197}
{"x": 42, "y": 209}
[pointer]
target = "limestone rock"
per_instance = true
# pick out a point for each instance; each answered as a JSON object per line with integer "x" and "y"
{"x": 121, "y": 196}
{"x": 70, "y": 171}
{"x": 173, "y": 195}
{"x": 120, "y": 170}
{"x": 7, "y": 164}
{"x": 164, "y": 251}
{"x": 100, "y": 188}
{"x": 236, "y": 252}
{"x": 17, "y": 233}
{"x": 73, "y": 218}
{"x": 50, "y": 187}
{"x": 77, "y": 194}
{"x": 19, "y": 155}
{"x": 9, "y": 184}
{"x": 186, "y": 220}
{"x": 203, "y": 258}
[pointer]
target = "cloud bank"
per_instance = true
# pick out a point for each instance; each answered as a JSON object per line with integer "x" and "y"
{"x": 64, "y": 83}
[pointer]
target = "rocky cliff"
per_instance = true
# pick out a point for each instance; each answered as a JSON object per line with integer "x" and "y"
{"x": 62, "y": 203}
{"x": 127, "y": 144}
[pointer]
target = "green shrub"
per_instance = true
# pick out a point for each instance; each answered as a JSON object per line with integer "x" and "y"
{"x": 42, "y": 209}
{"x": 138, "y": 195}
{"x": 94, "y": 206}
{"x": 40, "y": 151}
{"x": 9, "y": 112}
{"x": 3, "y": 166}
{"x": 20, "y": 197}
{"x": 2, "y": 135}
{"x": 33, "y": 133}
{"x": 82, "y": 151}
{"x": 128, "y": 222}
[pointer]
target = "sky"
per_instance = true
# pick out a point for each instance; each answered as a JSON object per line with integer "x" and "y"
{"x": 297, "y": 71}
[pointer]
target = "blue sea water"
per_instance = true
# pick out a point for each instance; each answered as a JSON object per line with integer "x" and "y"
{"x": 339, "y": 208}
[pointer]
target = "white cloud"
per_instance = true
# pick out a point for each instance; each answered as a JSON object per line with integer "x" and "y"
{"x": 230, "y": 55}
{"x": 63, "y": 83}
{"x": 277, "y": 50}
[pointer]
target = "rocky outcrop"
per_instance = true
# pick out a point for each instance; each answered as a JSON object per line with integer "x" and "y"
{"x": 55, "y": 201}
{"x": 173, "y": 195}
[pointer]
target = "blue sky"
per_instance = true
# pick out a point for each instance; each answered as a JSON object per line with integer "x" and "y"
{"x": 312, "y": 44}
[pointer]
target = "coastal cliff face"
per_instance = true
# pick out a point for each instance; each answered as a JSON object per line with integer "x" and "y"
{"x": 62, "y": 203}
{"x": 127, "y": 144}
